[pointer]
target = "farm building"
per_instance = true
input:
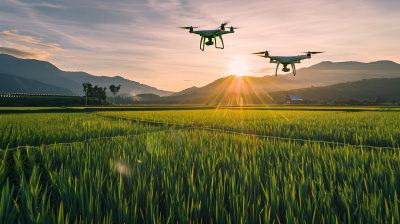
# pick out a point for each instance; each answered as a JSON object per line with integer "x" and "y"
{"x": 290, "y": 98}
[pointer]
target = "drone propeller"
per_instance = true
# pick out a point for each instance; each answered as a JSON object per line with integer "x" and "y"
{"x": 261, "y": 52}
{"x": 314, "y": 52}
{"x": 187, "y": 27}
{"x": 225, "y": 23}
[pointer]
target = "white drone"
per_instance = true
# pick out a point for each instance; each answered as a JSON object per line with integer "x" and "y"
{"x": 285, "y": 60}
{"x": 210, "y": 34}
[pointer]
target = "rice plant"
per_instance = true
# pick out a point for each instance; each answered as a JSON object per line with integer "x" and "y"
{"x": 201, "y": 176}
{"x": 355, "y": 128}
{"x": 37, "y": 129}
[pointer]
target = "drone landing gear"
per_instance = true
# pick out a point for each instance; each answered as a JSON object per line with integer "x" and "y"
{"x": 294, "y": 69}
{"x": 215, "y": 39}
{"x": 276, "y": 71}
{"x": 202, "y": 40}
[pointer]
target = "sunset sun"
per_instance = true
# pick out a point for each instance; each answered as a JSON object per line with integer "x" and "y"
{"x": 238, "y": 68}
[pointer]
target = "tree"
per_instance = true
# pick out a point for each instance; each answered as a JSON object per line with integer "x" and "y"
{"x": 98, "y": 92}
{"x": 87, "y": 88}
{"x": 114, "y": 89}
{"x": 351, "y": 102}
{"x": 281, "y": 101}
{"x": 380, "y": 100}
{"x": 394, "y": 102}
{"x": 341, "y": 100}
{"x": 358, "y": 103}
{"x": 329, "y": 100}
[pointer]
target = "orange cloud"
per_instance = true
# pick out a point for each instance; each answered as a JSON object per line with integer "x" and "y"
{"x": 23, "y": 52}
{"x": 265, "y": 70}
{"x": 30, "y": 40}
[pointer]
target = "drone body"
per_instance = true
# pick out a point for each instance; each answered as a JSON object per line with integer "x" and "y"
{"x": 286, "y": 60}
{"x": 209, "y": 35}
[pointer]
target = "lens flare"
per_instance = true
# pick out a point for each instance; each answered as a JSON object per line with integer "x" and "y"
{"x": 238, "y": 68}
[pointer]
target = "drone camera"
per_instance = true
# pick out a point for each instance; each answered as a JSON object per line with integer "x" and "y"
{"x": 209, "y": 42}
{"x": 286, "y": 69}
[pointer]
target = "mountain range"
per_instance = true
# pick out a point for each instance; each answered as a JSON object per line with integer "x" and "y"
{"x": 369, "y": 89}
{"x": 16, "y": 84}
{"x": 34, "y": 76}
{"x": 47, "y": 73}
{"x": 333, "y": 80}
{"x": 322, "y": 74}
{"x": 366, "y": 89}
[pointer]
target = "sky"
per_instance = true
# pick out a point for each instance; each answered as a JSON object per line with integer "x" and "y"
{"x": 139, "y": 39}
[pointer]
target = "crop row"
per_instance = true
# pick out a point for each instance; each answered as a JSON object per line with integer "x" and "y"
{"x": 356, "y": 128}
{"x": 197, "y": 176}
{"x": 38, "y": 129}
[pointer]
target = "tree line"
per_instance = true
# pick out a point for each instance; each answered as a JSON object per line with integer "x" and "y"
{"x": 99, "y": 92}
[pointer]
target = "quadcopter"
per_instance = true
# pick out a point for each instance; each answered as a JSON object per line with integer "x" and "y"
{"x": 285, "y": 60}
{"x": 208, "y": 35}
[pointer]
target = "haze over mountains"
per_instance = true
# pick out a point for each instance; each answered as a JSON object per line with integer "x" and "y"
{"x": 33, "y": 76}
{"x": 388, "y": 88}
{"x": 16, "y": 84}
{"x": 47, "y": 73}
{"x": 322, "y": 74}
{"x": 366, "y": 89}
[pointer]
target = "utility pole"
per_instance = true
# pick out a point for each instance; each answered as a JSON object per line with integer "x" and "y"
{"x": 86, "y": 98}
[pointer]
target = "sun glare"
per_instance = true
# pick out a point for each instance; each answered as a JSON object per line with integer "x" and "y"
{"x": 238, "y": 68}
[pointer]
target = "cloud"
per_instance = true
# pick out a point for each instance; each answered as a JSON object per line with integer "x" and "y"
{"x": 193, "y": 81}
{"x": 265, "y": 70}
{"x": 139, "y": 40}
{"x": 23, "y": 52}
{"x": 30, "y": 40}
{"x": 48, "y": 5}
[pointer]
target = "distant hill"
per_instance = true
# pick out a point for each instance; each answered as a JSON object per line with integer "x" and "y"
{"x": 127, "y": 86}
{"x": 41, "y": 71}
{"x": 229, "y": 90}
{"x": 17, "y": 84}
{"x": 322, "y": 74}
{"x": 46, "y": 72}
{"x": 364, "y": 89}
{"x": 185, "y": 91}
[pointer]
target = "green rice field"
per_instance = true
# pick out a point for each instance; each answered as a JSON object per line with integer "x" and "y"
{"x": 200, "y": 166}
{"x": 356, "y": 128}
